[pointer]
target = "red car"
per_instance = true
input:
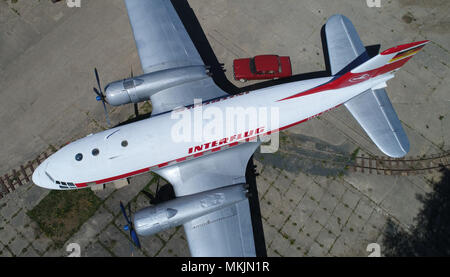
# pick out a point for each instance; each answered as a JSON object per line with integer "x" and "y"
{"x": 262, "y": 67}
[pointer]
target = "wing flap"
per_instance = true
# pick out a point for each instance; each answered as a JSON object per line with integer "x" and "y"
{"x": 344, "y": 45}
{"x": 374, "y": 112}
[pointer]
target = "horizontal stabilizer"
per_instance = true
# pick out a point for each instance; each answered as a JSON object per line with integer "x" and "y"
{"x": 374, "y": 112}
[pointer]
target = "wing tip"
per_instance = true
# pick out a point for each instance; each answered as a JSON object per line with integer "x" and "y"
{"x": 397, "y": 151}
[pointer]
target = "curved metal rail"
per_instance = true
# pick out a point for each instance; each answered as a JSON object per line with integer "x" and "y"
{"x": 404, "y": 166}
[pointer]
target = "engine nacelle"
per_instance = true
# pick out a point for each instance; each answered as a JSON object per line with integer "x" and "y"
{"x": 152, "y": 220}
{"x": 141, "y": 88}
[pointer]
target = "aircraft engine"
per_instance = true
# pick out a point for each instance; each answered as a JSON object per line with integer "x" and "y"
{"x": 141, "y": 88}
{"x": 176, "y": 212}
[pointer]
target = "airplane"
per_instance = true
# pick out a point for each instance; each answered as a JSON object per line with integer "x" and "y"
{"x": 208, "y": 175}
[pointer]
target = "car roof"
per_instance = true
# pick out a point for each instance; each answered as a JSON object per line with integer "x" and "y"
{"x": 266, "y": 63}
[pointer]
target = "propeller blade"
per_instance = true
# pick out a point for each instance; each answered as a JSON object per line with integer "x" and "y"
{"x": 98, "y": 80}
{"x": 135, "y": 238}
{"x": 130, "y": 226}
{"x": 124, "y": 213}
{"x": 98, "y": 93}
{"x": 106, "y": 114}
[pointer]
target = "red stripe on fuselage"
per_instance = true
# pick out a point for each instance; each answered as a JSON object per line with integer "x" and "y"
{"x": 349, "y": 79}
{"x": 122, "y": 176}
{"x": 402, "y": 47}
{"x": 81, "y": 185}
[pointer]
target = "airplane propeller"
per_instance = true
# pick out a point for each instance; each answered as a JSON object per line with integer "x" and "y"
{"x": 130, "y": 227}
{"x": 101, "y": 96}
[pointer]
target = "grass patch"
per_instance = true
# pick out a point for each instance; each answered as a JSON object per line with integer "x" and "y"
{"x": 147, "y": 107}
{"x": 61, "y": 213}
{"x": 355, "y": 154}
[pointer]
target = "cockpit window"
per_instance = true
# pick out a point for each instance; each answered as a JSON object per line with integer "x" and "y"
{"x": 79, "y": 157}
{"x": 95, "y": 152}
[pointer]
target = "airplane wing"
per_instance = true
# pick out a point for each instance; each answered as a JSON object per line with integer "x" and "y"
{"x": 163, "y": 43}
{"x": 227, "y": 232}
{"x": 374, "y": 112}
{"x": 345, "y": 48}
{"x": 161, "y": 39}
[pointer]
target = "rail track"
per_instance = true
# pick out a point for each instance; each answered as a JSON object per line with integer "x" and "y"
{"x": 22, "y": 175}
{"x": 370, "y": 164}
{"x": 403, "y": 166}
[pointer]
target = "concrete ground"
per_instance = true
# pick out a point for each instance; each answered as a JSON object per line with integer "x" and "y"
{"x": 47, "y": 56}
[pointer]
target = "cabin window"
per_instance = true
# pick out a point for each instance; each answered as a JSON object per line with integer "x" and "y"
{"x": 79, "y": 157}
{"x": 124, "y": 143}
{"x": 95, "y": 152}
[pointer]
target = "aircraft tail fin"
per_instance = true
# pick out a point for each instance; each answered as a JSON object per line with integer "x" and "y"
{"x": 345, "y": 48}
{"x": 349, "y": 59}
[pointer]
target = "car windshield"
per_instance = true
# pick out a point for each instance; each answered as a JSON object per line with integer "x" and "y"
{"x": 252, "y": 66}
